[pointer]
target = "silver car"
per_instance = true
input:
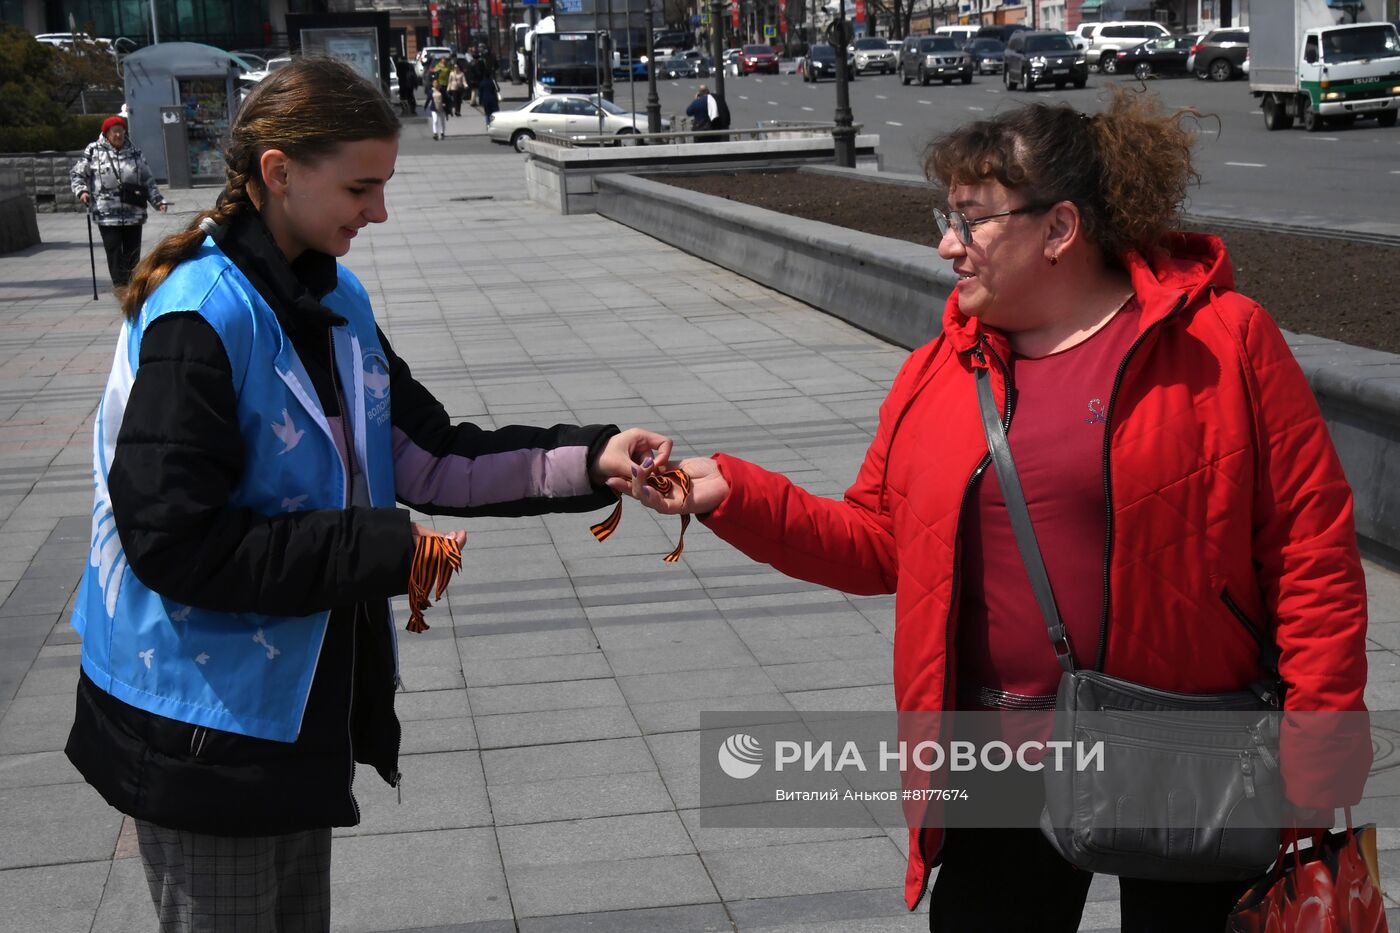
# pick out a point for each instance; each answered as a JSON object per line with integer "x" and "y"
{"x": 874, "y": 54}
{"x": 566, "y": 115}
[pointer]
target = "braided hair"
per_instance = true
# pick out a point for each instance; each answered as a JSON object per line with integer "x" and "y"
{"x": 307, "y": 110}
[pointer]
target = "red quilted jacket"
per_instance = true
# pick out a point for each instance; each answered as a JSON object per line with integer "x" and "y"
{"x": 1223, "y": 488}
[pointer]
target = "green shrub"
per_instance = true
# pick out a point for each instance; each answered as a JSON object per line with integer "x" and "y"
{"x": 74, "y": 133}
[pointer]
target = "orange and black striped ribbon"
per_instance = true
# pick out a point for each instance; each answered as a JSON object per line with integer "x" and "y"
{"x": 662, "y": 483}
{"x": 435, "y": 559}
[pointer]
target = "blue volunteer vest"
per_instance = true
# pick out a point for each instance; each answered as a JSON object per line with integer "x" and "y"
{"x": 239, "y": 672}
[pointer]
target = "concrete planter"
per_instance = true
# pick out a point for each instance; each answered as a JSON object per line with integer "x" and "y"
{"x": 564, "y": 178}
{"x": 896, "y": 290}
{"x": 43, "y": 176}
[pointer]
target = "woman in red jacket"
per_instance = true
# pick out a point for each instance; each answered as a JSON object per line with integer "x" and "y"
{"x": 1179, "y": 475}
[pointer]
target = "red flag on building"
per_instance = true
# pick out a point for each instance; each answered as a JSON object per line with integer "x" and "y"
{"x": 782, "y": 16}
{"x": 860, "y": 11}
{"x": 734, "y": 15}
{"x": 437, "y": 26}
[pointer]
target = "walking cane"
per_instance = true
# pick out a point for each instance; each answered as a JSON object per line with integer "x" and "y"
{"x": 92, "y": 256}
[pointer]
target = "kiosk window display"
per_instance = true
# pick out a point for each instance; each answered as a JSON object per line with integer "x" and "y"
{"x": 207, "y": 115}
{"x": 182, "y": 97}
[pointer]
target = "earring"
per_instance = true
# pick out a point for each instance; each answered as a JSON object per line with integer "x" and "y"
{"x": 1054, "y": 260}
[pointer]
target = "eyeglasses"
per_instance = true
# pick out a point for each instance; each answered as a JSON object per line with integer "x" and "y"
{"x": 961, "y": 226}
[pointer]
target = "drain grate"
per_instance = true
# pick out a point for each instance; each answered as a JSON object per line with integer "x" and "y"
{"x": 475, "y": 197}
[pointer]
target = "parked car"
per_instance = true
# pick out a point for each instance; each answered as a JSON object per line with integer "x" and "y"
{"x": 895, "y": 45}
{"x": 1157, "y": 57}
{"x": 703, "y": 66}
{"x": 758, "y": 58}
{"x": 566, "y": 115}
{"x": 988, "y": 55}
{"x": 1220, "y": 54}
{"x": 1105, "y": 40}
{"x": 925, "y": 58}
{"x": 873, "y": 54}
{"x": 1034, "y": 58}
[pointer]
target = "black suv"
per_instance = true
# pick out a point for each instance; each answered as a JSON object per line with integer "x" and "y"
{"x": 1043, "y": 58}
{"x": 934, "y": 57}
{"x": 1220, "y": 55}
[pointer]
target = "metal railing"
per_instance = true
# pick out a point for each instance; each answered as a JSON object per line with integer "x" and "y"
{"x": 766, "y": 129}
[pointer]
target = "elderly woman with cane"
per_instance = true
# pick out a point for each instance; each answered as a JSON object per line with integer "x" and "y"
{"x": 115, "y": 184}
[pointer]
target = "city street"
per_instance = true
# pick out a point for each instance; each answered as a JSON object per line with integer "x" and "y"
{"x": 1344, "y": 177}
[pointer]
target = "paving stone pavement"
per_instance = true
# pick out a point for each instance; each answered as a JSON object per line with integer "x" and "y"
{"x": 552, "y": 708}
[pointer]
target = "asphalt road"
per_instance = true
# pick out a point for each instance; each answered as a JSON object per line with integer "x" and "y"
{"x": 1346, "y": 178}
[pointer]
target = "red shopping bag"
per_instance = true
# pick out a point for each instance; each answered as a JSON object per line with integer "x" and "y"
{"x": 1333, "y": 887}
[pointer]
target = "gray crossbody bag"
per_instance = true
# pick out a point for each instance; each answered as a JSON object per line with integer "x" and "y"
{"x": 1190, "y": 788}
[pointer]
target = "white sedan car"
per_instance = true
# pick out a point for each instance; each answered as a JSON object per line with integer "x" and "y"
{"x": 566, "y": 115}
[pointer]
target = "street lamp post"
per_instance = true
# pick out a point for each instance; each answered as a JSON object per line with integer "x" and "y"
{"x": 653, "y": 101}
{"x": 843, "y": 134}
{"x": 608, "y": 62}
{"x": 717, "y": 13}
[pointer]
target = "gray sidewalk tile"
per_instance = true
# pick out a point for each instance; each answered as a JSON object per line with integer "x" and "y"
{"x": 559, "y": 695}
{"x": 584, "y": 887}
{"x": 487, "y": 672}
{"x": 761, "y": 835}
{"x": 552, "y": 726}
{"x": 400, "y": 881}
{"x": 700, "y": 918}
{"x": 439, "y": 735}
{"x": 684, "y": 715}
{"x": 579, "y": 798}
{"x": 614, "y": 838}
{"x": 574, "y": 759}
{"x": 812, "y": 910}
{"x": 126, "y": 900}
{"x": 36, "y": 724}
{"x": 695, "y": 685}
{"x": 52, "y": 898}
{"x": 37, "y": 770}
{"x": 439, "y": 791}
{"x": 55, "y": 823}
{"x": 804, "y": 868}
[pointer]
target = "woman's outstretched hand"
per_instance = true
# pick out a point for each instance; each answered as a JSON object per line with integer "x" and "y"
{"x": 627, "y": 450}
{"x": 707, "y": 490}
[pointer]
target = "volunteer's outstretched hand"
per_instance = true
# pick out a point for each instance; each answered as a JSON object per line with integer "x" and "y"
{"x": 627, "y": 450}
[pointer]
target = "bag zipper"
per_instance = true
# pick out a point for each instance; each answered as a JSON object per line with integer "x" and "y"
{"x": 1244, "y": 756}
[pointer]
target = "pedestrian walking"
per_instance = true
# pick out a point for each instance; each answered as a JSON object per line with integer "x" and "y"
{"x": 437, "y": 111}
{"x": 488, "y": 94}
{"x": 456, "y": 85}
{"x": 255, "y": 436}
{"x": 1195, "y": 524}
{"x": 408, "y": 83}
{"x": 113, "y": 181}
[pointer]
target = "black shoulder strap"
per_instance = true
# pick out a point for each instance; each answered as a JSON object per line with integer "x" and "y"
{"x": 1021, "y": 519}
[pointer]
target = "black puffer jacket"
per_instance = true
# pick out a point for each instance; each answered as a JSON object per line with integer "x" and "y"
{"x": 179, "y": 454}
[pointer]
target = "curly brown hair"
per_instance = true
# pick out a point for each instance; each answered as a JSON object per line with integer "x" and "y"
{"x": 307, "y": 110}
{"x": 1126, "y": 169}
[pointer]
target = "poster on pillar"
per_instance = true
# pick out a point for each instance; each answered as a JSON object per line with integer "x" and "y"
{"x": 433, "y": 13}
{"x": 782, "y": 16}
{"x": 860, "y": 11}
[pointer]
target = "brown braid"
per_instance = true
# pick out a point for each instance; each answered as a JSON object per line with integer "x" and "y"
{"x": 307, "y": 110}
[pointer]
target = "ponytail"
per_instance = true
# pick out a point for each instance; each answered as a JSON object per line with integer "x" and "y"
{"x": 157, "y": 265}
{"x": 1127, "y": 169}
{"x": 307, "y": 110}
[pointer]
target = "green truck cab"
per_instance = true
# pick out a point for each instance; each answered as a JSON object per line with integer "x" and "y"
{"x": 1321, "y": 73}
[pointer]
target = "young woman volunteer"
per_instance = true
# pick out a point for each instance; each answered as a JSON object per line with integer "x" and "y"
{"x": 255, "y": 435}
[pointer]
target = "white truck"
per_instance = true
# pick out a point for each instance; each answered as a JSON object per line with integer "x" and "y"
{"x": 1304, "y": 65}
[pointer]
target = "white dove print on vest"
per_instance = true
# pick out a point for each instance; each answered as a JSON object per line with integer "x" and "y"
{"x": 261, "y": 639}
{"x": 376, "y": 379}
{"x": 182, "y": 614}
{"x": 147, "y": 656}
{"x": 294, "y": 503}
{"x": 287, "y": 433}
